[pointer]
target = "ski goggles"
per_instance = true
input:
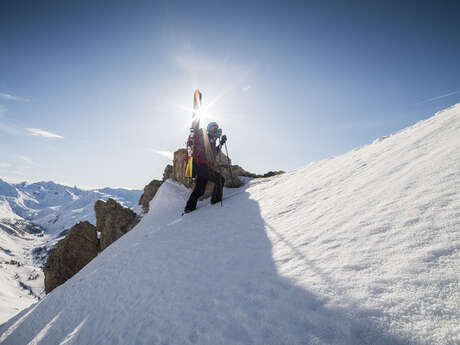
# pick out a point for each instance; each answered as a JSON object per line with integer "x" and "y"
{"x": 215, "y": 132}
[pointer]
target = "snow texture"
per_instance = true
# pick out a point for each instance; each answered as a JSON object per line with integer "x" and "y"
{"x": 33, "y": 217}
{"x": 363, "y": 248}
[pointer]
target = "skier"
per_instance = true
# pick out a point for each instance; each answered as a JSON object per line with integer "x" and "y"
{"x": 204, "y": 162}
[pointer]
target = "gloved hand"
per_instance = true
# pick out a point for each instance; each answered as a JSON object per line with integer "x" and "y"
{"x": 223, "y": 139}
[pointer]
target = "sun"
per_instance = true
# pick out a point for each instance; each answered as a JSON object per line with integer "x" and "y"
{"x": 202, "y": 112}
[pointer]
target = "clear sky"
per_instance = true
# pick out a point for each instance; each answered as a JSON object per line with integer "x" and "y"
{"x": 92, "y": 93}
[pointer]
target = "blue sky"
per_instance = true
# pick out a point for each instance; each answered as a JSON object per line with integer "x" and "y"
{"x": 92, "y": 93}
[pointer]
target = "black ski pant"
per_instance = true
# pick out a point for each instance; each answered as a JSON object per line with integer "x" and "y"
{"x": 205, "y": 174}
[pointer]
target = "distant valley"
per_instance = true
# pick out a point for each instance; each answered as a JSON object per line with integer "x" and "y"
{"x": 33, "y": 217}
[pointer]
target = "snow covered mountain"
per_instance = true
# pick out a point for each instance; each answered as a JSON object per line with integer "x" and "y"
{"x": 56, "y": 207}
{"x": 33, "y": 217}
{"x": 21, "y": 281}
{"x": 362, "y": 248}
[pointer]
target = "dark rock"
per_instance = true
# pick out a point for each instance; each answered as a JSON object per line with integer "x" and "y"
{"x": 149, "y": 192}
{"x": 113, "y": 221}
{"x": 168, "y": 173}
{"x": 241, "y": 172}
{"x": 81, "y": 244}
{"x": 273, "y": 173}
{"x": 179, "y": 165}
{"x": 151, "y": 189}
{"x": 71, "y": 254}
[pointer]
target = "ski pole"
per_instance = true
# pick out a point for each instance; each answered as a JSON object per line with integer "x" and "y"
{"x": 219, "y": 184}
{"x": 228, "y": 162}
{"x": 221, "y": 188}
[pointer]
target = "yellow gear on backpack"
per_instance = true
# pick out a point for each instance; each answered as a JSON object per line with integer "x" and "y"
{"x": 189, "y": 168}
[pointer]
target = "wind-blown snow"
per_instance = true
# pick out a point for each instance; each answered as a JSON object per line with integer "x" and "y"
{"x": 362, "y": 248}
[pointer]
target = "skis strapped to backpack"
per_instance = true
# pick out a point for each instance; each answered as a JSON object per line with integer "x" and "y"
{"x": 193, "y": 138}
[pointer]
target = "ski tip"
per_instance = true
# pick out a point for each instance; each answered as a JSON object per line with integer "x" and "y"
{"x": 196, "y": 99}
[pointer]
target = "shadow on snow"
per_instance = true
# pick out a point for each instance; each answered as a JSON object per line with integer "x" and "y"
{"x": 208, "y": 278}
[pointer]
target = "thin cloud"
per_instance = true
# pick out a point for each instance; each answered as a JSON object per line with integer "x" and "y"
{"x": 9, "y": 129}
{"x": 4, "y": 165}
{"x": 163, "y": 153}
{"x": 4, "y": 126}
{"x": 43, "y": 133}
{"x": 9, "y": 97}
{"x": 438, "y": 97}
{"x": 26, "y": 159}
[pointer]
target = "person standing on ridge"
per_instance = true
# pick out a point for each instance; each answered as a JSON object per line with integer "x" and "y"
{"x": 204, "y": 163}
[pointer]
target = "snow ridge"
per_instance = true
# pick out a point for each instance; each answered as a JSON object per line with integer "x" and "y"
{"x": 362, "y": 248}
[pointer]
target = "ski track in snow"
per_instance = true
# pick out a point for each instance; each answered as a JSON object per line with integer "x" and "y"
{"x": 362, "y": 248}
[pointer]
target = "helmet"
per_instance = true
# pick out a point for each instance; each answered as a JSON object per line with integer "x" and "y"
{"x": 212, "y": 124}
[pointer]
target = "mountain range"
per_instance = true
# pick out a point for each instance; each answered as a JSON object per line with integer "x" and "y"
{"x": 33, "y": 217}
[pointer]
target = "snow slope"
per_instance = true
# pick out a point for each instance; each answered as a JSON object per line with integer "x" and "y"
{"x": 363, "y": 248}
{"x": 33, "y": 217}
{"x": 21, "y": 281}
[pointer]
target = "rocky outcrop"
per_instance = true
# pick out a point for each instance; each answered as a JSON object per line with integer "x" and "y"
{"x": 113, "y": 221}
{"x": 273, "y": 173}
{"x": 179, "y": 165}
{"x": 178, "y": 171}
{"x": 236, "y": 169}
{"x": 168, "y": 172}
{"x": 81, "y": 244}
{"x": 149, "y": 192}
{"x": 225, "y": 172}
{"x": 222, "y": 164}
{"x": 151, "y": 189}
{"x": 71, "y": 254}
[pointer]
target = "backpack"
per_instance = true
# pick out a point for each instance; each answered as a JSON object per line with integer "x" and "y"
{"x": 198, "y": 151}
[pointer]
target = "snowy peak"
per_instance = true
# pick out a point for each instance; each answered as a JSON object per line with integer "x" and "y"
{"x": 57, "y": 207}
{"x": 7, "y": 190}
